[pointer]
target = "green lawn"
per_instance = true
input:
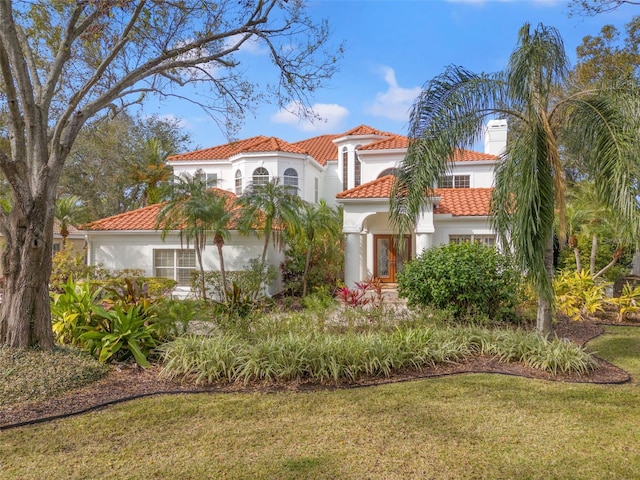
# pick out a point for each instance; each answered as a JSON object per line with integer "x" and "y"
{"x": 464, "y": 426}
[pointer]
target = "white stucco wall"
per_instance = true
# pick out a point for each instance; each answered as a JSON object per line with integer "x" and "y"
{"x": 124, "y": 250}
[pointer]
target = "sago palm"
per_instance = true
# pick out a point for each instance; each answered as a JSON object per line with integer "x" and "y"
{"x": 69, "y": 211}
{"x": 543, "y": 109}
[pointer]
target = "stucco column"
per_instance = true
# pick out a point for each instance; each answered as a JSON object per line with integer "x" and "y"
{"x": 351, "y": 258}
{"x": 424, "y": 229}
{"x": 424, "y": 241}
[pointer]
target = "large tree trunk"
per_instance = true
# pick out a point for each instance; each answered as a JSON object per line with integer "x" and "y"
{"x": 26, "y": 265}
{"x": 544, "y": 318}
{"x": 220, "y": 243}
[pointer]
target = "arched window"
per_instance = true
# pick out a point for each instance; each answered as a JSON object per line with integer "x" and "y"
{"x": 357, "y": 166}
{"x": 345, "y": 169}
{"x": 388, "y": 171}
{"x": 291, "y": 180}
{"x": 238, "y": 182}
{"x": 260, "y": 176}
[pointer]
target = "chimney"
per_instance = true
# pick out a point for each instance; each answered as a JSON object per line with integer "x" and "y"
{"x": 495, "y": 137}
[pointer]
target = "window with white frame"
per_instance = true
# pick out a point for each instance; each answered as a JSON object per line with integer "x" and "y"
{"x": 212, "y": 180}
{"x": 316, "y": 189}
{"x": 238, "y": 181}
{"x": 357, "y": 168}
{"x": 260, "y": 176}
{"x": 487, "y": 240}
{"x": 345, "y": 168}
{"x": 290, "y": 179}
{"x": 455, "y": 181}
{"x": 176, "y": 264}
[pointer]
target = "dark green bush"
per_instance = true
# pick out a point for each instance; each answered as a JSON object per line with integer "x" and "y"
{"x": 468, "y": 279}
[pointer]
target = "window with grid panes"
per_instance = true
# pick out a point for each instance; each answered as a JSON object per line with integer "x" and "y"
{"x": 175, "y": 264}
{"x": 290, "y": 178}
{"x": 455, "y": 181}
{"x": 260, "y": 176}
{"x": 238, "y": 182}
{"x": 357, "y": 168}
{"x": 345, "y": 168}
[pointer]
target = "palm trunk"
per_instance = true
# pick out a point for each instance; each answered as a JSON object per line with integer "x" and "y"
{"x": 203, "y": 290}
{"x": 26, "y": 265}
{"x": 306, "y": 272}
{"x": 592, "y": 259}
{"x": 223, "y": 273}
{"x": 576, "y": 253}
{"x": 544, "y": 318}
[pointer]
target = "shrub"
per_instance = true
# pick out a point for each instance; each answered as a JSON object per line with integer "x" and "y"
{"x": 467, "y": 279}
{"x": 628, "y": 302}
{"x": 577, "y": 294}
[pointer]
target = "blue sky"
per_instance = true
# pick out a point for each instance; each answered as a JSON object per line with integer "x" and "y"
{"x": 392, "y": 48}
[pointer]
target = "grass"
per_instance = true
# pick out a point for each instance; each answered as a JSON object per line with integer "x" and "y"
{"x": 32, "y": 374}
{"x": 463, "y": 426}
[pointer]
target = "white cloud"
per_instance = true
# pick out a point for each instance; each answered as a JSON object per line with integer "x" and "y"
{"x": 173, "y": 119}
{"x": 396, "y": 102}
{"x": 325, "y": 117}
{"x": 253, "y": 45}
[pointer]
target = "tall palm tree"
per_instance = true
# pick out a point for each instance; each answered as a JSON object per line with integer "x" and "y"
{"x": 318, "y": 223}
{"x": 69, "y": 211}
{"x": 197, "y": 212}
{"x": 221, "y": 218}
{"x": 543, "y": 109}
{"x": 150, "y": 171}
{"x": 270, "y": 208}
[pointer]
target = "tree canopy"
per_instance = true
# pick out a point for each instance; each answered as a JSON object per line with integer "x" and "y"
{"x": 543, "y": 109}
{"x": 63, "y": 63}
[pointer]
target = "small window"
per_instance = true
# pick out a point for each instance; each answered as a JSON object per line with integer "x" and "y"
{"x": 357, "y": 168}
{"x": 487, "y": 240}
{"x": 459, "y": 238}
{"x": 212, "y": 180}
{"x": 56, "y": 247}
{"x": 260, "y": 176}
{"x": 316, "y": 189}
{"x": 291, "y": 181}
{"x": 175, "y": 264}
{"x": 345, "y": 169}
{"x": 455, "y": 181}
{"x": 238, "y": 182}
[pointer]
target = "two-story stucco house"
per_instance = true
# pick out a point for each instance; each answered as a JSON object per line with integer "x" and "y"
{"x": 353, "y": 169}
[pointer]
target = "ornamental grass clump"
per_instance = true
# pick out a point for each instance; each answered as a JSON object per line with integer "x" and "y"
{"x": 349, "y": 356}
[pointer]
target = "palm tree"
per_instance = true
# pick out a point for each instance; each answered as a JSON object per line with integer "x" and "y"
{"x": 543, "y": 109}
{"x": 151, "y": 171}
{"x": 196, "y": 212}
{"x": 69, "y": 211}
{"x": 221, "y": 217}
{"x": 270, "y": 208}
{"x": 318, "y": 223}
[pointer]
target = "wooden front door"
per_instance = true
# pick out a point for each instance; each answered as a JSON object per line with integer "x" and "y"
{"x": 388, "y": 259}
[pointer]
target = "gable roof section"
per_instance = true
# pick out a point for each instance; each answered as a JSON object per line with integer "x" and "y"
{"x": 249, "y": 145}
{"x": 453, "y": 201}
{"x": 145, "y": 218}
{"x": 321, "y": 148}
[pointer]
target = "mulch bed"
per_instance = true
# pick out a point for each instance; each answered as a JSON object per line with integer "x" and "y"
{"x": 126, "y": 382}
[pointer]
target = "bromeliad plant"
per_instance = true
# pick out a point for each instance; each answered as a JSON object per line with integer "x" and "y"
{"x": 128, "y": 332}
{"x": 111, "y": 325}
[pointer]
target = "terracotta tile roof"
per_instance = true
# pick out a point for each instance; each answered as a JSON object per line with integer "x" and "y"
{"x": 321, "y": 148}
{"x": 468, "y": 202}
{"x": 144, "y": 218}
{"x": 401, "y": 142}
{"x": 453, "y": 201}
{"x": 395, "y": 142}
{"x": 253, "y": 144}
{"x": 365, "y": 130}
